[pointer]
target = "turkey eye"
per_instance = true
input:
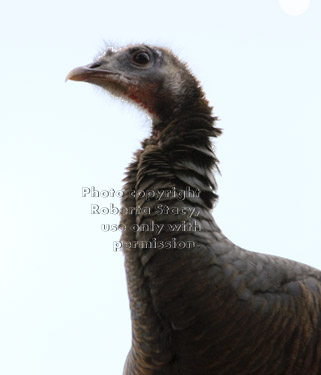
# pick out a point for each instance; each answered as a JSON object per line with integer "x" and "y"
{"x": 141, "y": 58}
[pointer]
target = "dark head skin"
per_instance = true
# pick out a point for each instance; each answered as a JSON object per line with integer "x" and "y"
{"x": 151, "y": 77}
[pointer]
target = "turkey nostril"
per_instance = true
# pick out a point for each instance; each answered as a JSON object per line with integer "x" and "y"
{"x": 94, "y": 65}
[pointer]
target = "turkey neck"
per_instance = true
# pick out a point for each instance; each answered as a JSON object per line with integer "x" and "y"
{"x": 171, "y": 186}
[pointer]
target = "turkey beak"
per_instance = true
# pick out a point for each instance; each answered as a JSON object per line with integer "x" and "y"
{"x": 89, "y": 73}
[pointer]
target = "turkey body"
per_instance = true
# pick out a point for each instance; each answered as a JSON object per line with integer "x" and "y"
{"x": 199, "y": 304}
{"x": 215, "y": 308}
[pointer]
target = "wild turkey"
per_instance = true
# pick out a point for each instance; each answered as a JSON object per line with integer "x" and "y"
{"x": 199, "y": 304}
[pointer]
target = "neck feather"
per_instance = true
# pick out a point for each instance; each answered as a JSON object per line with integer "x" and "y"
{"x": 178, "y": 157}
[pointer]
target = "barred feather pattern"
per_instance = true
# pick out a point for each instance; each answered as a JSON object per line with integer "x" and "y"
{"x": 213, "y": 308}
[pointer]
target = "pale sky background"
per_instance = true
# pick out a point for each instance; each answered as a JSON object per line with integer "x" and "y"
{"x": 63, "y": 298}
